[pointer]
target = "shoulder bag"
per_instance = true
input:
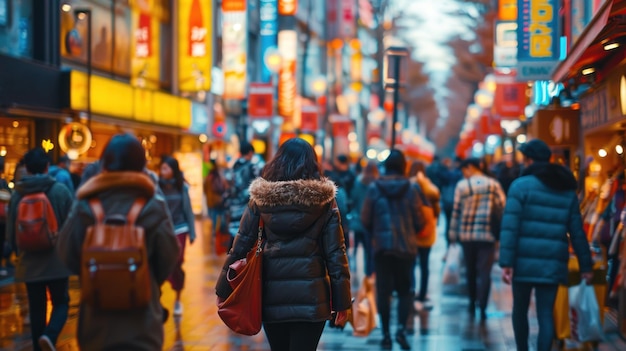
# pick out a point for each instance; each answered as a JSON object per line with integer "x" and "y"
{"x": 241, "y": 311}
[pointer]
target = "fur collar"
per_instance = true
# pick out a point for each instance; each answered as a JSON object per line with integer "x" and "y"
{"x": 107, "y": 180}
{"x": 294, "y": 192}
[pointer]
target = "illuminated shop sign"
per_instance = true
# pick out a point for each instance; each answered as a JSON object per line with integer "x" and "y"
{"x": 194, "y": 51}
{"x": 269, "y": 30}
{"x": 234, "y": 49}
{"x": 539, "y": 36}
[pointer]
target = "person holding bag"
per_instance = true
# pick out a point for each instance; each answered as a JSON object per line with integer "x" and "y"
{"x": 541, "y": 219}
{"x": 305, "y": 268}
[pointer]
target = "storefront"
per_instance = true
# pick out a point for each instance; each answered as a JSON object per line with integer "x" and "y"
{"x": 29, "y": 114}
{"x": 594, "y": 74}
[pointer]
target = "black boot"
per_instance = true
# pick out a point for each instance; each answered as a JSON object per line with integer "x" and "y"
{"x": 401, "y": 339}
{"x": 386, "y": 343}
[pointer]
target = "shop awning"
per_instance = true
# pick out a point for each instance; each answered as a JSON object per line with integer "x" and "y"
{"x": 607, "y": 26}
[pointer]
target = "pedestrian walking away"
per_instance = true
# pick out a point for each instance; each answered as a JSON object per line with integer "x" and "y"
{"x": 117, "y": 187}
{"x": 305, "y": 267}
{"x": 240, "y": 177}
{"x": 541, "y": 218}
{"x": 176, "y": 191}
{"x": 392, "y": 214}
{"x": 426, "y": 240}
{"x": 42, "y": 270}
{"x": 475, "y": 201}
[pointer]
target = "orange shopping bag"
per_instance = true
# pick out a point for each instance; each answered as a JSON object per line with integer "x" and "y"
{"x": 364, "y": 309}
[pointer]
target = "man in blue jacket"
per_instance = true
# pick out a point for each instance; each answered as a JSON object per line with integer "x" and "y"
{"x": 392, "y": 215}
{"x": 541, "y": 209}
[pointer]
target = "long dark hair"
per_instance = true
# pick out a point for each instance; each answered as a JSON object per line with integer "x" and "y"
{"x": 295, "y": 159}
{"x": 178, "y": 177}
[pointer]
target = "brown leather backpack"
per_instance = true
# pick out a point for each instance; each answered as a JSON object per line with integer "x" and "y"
{"x": 115, "y": 273}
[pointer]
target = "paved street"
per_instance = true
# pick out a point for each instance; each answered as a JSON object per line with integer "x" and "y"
{"x": 445, "y": 327}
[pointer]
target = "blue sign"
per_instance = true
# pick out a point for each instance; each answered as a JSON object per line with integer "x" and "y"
{"x": 581, "y": 16}
{"x": 538, "y": 36}
{"x": 269, "y": 30}
{"x": 199, "y": 118}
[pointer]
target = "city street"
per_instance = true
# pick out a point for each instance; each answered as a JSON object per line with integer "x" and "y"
{"x": 446, "y": 327}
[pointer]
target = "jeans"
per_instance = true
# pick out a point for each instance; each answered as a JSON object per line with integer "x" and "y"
{"x": 294, "y": 336}
{"x": 479, "y": 257}
{"x": 37, "y": 305}
{"x": 423, "y": 255}
{"x": 545, "y": 295}
{"x": 394, "y": 273}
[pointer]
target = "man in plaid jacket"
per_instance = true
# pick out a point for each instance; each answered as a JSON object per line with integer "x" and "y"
{"x": 474, "y": 197}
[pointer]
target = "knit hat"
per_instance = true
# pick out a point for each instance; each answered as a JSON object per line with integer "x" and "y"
{"x": 536, "y": 150}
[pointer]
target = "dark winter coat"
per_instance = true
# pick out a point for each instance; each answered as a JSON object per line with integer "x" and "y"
{"x": 392, "y": 215}
{"x": 39, "y": 266}
{"x": 541, "y": 210}
{"x": 305, "y": 267}
{"x": 130, "y": 330}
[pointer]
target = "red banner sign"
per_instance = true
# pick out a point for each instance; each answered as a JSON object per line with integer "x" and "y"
{"x": 341, "y": 125}
{"x": 143, "y": 37}
{"x": 260, "y": 104}
{"x": 308, "y": 119}
{"x": 510, "y": 100}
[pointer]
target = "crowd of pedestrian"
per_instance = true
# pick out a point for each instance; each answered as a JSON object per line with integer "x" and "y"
{"x": 314, "y": 217}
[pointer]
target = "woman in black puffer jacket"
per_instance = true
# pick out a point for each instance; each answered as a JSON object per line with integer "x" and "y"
{"x": 305, "y": 267}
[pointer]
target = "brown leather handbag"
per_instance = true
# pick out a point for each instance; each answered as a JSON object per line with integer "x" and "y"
{"x": 241, "y": 311}
{"x": 115, "y": 273}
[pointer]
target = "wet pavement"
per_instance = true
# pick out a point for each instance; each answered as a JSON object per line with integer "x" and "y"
{"x": 446, "y": 327}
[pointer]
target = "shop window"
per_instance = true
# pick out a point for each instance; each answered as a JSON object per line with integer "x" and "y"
{"x": 110, "y": 35}
{"x": 15, "y": 141}
{"x": 16, "y": 28}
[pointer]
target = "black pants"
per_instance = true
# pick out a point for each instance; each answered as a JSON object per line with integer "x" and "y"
{"x": 423, "y": 255}
{"x": 37, "y": 305}
{"x": 294, "y": 336}
{"x": 394, "y": 273}
{"x": 479, "y": 257}
{"x": 545, "y": 295}
{"x": 448, "y": 213}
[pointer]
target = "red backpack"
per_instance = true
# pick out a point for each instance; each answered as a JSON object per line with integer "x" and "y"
{"x": 36, "y": 227}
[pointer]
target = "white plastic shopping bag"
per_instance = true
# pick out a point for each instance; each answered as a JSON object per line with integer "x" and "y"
{"x": 451, "y": 270}
{"x": 584, "y": 313}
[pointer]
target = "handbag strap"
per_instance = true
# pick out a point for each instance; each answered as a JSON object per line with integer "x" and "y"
{"x": 469, "y": 184}
{"x": 259, "y": 241}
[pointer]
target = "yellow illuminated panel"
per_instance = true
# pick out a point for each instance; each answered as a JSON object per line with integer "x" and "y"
{"x": 144, "y": 100}
{"x": 111, "y": 97}
{"x": 184, "y": 113}
{"x": 194, "y": 45}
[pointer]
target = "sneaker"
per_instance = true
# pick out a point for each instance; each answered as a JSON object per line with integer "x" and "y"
{"x": 178, "y": 308}
{"x": 46, "y": 344}
{"x": 386, "y": 343}
{"x": 401, "y": 339}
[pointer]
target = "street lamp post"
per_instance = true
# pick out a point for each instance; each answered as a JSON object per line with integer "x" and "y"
{"x": 82, "y": 14}
{"x": 273, "y": 62}
{"x": 394, "y": 56}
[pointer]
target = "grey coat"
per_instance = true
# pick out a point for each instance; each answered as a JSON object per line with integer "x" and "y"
{"x": 129, "y": 330}
{"x": 39, "y": 266}
{"x": 541, "y": 218}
